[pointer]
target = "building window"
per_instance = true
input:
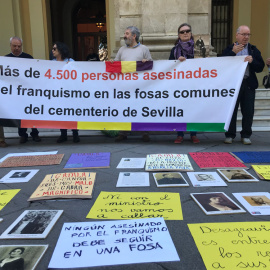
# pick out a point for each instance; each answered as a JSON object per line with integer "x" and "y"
{"x": 222, "y": 16}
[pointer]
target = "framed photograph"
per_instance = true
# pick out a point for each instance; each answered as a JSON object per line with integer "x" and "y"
{"x": 239, "y": 175}
{"x": 34, "y": 224}
{"x": 18, "y": 176}
{"x": 256, "y": 203}
{"x": 24, "y": 257}
{"x": 216, "y": 203}
{"x": 206, "y": 179}
{"x": 170, "y": 179}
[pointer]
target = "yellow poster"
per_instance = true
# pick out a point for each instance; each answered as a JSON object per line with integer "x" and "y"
{"x": 263, "y": 171}
{"x": 6, "y": 196}
{"x": 132, "y": 205}
{"x": 232, "y": 246}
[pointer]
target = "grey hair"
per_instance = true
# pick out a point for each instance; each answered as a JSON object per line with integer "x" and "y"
{"x": 17, "y": 38}
{"x": 134, "y": 31}
{"x": 238, "y": 29}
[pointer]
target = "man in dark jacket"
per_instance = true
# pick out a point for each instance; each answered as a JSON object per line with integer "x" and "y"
{"x": 246, "y": 97}
{"x": 16, "y": 51}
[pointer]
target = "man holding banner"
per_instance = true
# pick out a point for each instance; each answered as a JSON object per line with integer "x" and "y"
{"x": 132, "y": 51}
{"x": 16, "y": 51}
{"x": 246, "y": 97}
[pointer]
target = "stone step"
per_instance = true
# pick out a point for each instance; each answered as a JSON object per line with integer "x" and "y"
{"x": 262, "y": 92}
{"x": 258, "y": 121}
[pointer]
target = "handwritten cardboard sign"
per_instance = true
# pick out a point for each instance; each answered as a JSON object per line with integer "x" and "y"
{"x": 168, "y": 162}
{"x": 6, "y": 196}
{"x": 88, "y": 244}
{"x": 65, "y": 185}
{"x": 210, "y": 160}
{"x": 131, "y": 205}
{"x": 88, "y": 160}
{"x": 263, "y": 171}
{"x": 26, "y": 161}
{"x": 234, "y": 245}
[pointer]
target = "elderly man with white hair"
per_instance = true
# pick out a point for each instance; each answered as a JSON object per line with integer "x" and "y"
{"x": 16, "y": 51}
{"x": 246, "y": 97}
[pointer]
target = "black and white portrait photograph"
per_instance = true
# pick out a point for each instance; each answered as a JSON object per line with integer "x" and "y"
{"x": 170, "y": 179}
{"x": 206, "y": 179}
{"x": 25, "y": 257}
{"x": 239, "y": 175}
{"x": 18, "y": 176}
{"x": 32, "y": 224}
{"x": 216, "y": 203}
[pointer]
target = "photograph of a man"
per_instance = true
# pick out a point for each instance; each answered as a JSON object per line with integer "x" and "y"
{"x": 204, "y": 177}
{"x": 237, "y": 175}
{"x": 169, "y": 179}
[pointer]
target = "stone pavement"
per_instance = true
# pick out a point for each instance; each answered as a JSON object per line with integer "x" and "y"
{"x": 76, "y": 210}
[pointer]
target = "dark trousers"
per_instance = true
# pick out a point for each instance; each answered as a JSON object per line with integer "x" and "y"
{"x": 64, "y": 132}
{"x": 246, "y": 99}
{"x": 181, "y": 133}
{"x": 23, "y": 132}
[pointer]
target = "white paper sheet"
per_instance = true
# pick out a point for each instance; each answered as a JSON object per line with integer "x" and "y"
{"x": 130, "y": 179}
{"x": 88, "y": 244}
{"x": 131, "y": 163}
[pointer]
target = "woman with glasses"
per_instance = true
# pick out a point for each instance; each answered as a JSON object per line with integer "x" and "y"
{"x": 184, "y": 49}
{"x": 60, "y": 52}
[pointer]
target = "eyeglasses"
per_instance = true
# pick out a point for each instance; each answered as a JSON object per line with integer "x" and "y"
{"x": 54, "y": 48}
{"x": 244, "y": 35}
{"x": 185, "y": 31}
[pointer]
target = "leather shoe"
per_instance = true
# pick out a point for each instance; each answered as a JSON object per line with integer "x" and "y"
{"x": 23, "y": 139}
{"x": 195, "y": 139}
{"x": 179, "y": 139}
{"x": 3, "y": 144}
{"x": 146, "y": 137}
{"x": 61, "y": 139}
{"x": 120, "y": 138}
{"x": 76, "y": 138}
{"x": 36, "y": 138}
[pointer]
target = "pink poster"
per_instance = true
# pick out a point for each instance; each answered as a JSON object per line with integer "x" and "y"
{"x": 208, "y": 160}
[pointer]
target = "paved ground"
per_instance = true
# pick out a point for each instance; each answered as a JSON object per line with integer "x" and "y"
{"x": 76, "y": 210}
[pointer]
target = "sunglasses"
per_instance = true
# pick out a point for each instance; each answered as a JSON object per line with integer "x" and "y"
{"x": 184, "y": 31}
{"x": 54, "y": 48}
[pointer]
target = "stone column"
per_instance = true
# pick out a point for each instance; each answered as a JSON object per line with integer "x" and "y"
{"x": 158, "y": 21}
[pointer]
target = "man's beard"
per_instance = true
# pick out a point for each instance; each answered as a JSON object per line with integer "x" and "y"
{"x": 127, "y": 41}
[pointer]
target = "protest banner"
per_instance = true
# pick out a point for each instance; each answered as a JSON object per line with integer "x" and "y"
{"x": 88, "y": 244}
{"x": 131, "y": 205}
{"x": 233, "y": 245}
{"x": 6, "y": 196}
{"x": 197, "y": 94}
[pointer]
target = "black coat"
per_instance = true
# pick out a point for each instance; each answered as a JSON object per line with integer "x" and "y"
{"x": 256, "y": 66}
